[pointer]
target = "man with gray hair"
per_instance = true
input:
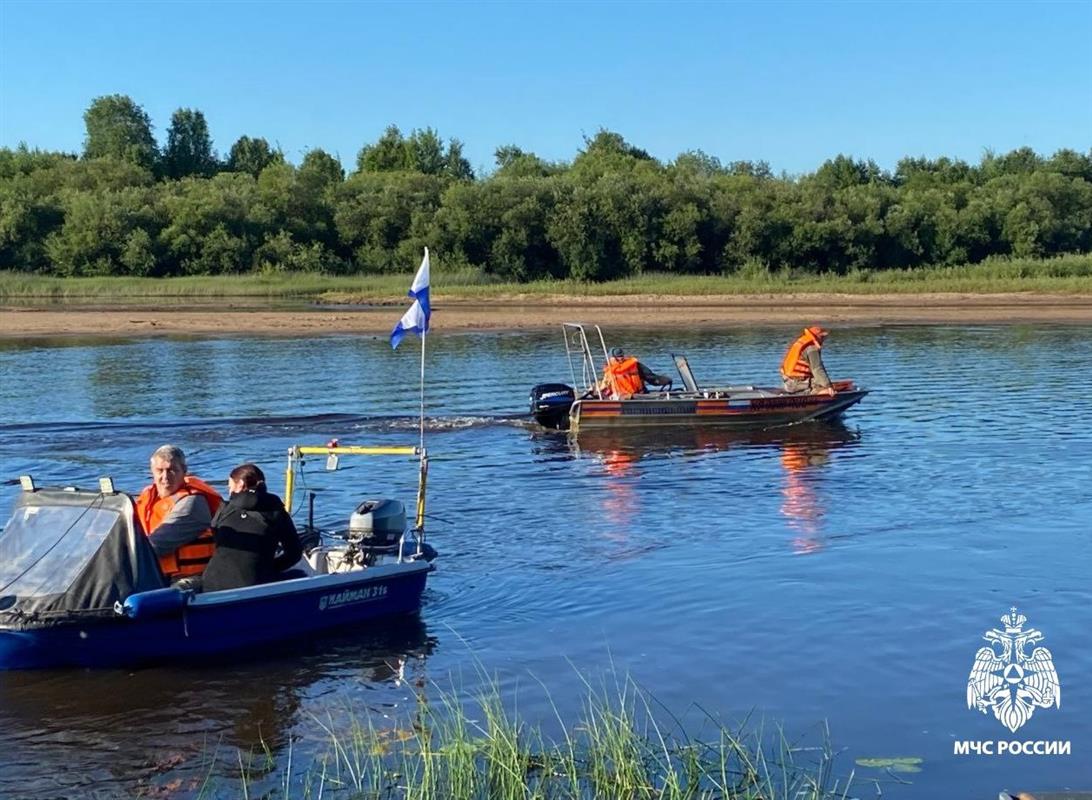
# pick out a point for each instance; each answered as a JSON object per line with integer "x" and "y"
{"x": 176, "y": 515}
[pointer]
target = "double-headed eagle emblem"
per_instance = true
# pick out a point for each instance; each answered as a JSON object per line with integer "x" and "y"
{"x": 1010, "y": 682}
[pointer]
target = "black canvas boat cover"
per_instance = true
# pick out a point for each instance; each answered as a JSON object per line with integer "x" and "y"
{"x": 67, "y": 555}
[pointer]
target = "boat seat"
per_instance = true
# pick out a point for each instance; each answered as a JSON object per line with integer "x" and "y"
{"x": 685, "y": 373}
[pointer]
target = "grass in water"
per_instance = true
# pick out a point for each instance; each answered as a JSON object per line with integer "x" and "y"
{"x": 481, "y": 750}
{"x": 1069, "y": 274}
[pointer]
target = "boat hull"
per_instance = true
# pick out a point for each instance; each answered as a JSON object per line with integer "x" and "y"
{"x": 762, "y": 410}
{"x": 222, "y": 621}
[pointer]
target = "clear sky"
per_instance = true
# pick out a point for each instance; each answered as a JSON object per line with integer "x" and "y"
{"x": 790, "y": 83}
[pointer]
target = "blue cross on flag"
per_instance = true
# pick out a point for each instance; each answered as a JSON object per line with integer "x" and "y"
{"x": 416, "y": 319}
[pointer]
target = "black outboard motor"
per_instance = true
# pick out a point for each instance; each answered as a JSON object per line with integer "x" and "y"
{"x": 550, "y": 404}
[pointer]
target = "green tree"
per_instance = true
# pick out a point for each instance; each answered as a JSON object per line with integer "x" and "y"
{"x": 426, "y": 152}
{"x": 384, "y": 219}
{"x": 423, "y": 151}
{"x": 604, "y": 153}
{"x": 317, "y": 181}
{"x": 697, "y": 162}
{"x": 499, "y": 227}
{"x": 35, "y": 197}
{"x": 119, "y": 128}
{"x": 389, "y": 154}
{"x": 512, "y": 162}
{"x": 97, "y": 237}
{"x": 1071, "y": 164}
{"x": 320, "y": 169}
{"x": 210, "y": 225}
{"x": 189, "y": 146}
{"x": 252, "y": 155}
{"x": 455, "y": 164}
{"x": 842, "y": 172}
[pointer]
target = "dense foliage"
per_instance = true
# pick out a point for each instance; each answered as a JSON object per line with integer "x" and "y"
{"x": 126, "y": 208}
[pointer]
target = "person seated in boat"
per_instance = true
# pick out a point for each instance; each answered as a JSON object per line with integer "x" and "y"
{"x": 625, "y": 376}
{"x": 802, "y": 368}
{"x": 175, "y": 513}
{"x": 250, "y": 528}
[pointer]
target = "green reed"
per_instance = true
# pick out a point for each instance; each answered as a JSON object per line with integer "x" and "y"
{"x": 482, "y": 749}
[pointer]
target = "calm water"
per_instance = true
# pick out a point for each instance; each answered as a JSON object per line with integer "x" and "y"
{"x": 833, "y": 574}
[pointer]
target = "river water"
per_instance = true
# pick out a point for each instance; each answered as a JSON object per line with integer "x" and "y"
{"x": 838, "y": 576}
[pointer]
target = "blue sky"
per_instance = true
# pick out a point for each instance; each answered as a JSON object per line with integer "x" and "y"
{"x": 790, "y": 83}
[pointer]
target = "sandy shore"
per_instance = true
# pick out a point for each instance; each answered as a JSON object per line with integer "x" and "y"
{"x": 530, "y": 313}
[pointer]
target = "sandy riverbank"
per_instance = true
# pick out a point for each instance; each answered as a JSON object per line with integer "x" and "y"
{"x": 530, "y": 313}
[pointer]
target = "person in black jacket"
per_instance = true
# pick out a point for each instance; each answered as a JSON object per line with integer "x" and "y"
{"x": 249, "y": 528}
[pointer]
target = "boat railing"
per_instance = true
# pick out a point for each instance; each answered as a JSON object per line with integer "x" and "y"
{"x": 578, "y": 351}
{"x": 333, "y": 453}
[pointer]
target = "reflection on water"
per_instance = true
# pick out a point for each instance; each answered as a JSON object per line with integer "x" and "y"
{"x": 837, "y": 573}
{"x": 805, "y": 451}
{"x": 804, "y": 501}
{"x": 134, "y": 726}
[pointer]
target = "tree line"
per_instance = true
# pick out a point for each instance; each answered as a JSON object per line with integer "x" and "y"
{"x": 125, "y": 206}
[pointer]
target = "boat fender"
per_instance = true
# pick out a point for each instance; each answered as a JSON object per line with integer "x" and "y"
{"x": 156, "y": 603}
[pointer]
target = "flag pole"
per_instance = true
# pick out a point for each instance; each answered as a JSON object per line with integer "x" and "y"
{"x": 423, "y": 335}
{"x": 423, "y": 458}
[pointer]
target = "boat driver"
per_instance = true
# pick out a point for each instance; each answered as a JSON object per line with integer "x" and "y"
{"x": 175, "y": 513}
{"x": 625, "y": 376}
{"x": 802, "y": 368}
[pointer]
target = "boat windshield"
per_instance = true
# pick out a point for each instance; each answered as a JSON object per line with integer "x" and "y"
{"x": 43, "y": 549}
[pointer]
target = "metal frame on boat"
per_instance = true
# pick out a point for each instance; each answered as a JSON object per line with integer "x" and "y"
{"x": 106, "y": 603}
{"x": 583, "y": 405}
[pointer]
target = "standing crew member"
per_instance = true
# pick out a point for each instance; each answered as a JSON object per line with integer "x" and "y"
{"x": 802, "y": 368}
{"x": 176, "y": 515}
{"x": 624, "y": 377}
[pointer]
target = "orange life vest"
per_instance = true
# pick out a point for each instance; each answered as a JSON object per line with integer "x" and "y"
{"x": 151, "y": 510}
{"x": 794, "y": 365}
{"x": 624, "y": 378}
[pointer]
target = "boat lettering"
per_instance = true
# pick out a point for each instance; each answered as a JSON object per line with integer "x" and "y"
{"x": 786, "y": 402}
{"x": 548, "y": 395}
{"x": 637, "y": 410}
{"x": 349, "y": 596}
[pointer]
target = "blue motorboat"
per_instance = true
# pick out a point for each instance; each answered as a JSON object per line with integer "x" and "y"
{"x": 81, "y": 586}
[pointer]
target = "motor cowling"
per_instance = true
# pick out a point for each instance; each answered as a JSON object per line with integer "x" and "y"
{"x": 377, "y": 523}
{"x": 550, "y": 404}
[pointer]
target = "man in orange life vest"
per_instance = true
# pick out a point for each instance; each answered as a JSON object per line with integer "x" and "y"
{"x": 802, "y": 368}
{"x": 176, "y": 515}
{"x": 624, "y": 377}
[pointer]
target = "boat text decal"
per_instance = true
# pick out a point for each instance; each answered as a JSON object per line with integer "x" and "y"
{"x": 349, "y": 596}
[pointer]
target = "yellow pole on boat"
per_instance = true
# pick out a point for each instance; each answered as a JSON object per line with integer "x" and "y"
{"x": 295, "y": 453}
{"x": 357, "y": 451}
{"x": 289, "y": 479}
{"x": 422, "y": 480}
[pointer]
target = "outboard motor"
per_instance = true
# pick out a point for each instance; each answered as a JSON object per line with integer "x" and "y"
{"x": 375, "y": 530}
{"x": 377, "y": 524}
{"x": 550, "y": 404}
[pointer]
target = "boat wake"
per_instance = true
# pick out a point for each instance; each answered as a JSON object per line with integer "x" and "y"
{"x": 288, "y": 423}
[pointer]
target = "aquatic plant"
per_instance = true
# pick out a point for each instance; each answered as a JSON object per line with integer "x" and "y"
{"x": 623, "y": 744}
